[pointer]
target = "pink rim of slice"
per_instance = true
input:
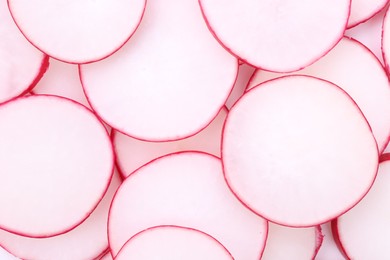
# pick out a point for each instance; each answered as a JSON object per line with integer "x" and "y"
{"x": 76, "y": 31}
{"x": 280, "y": 36}
{"x": 107, "y": 256}
{"x": 173, "y": 243}
{"x": 292, "y": 243}
{"x": 22, "y": 65}
{"x": 51, "y": 146}
{"x": 361, "y": 233}
{"x": 355, "y": 69}
{"x": 363, "y": 10}
{"x": 386, "y": 40}
{"x": 159, "y": 88}
{"x": 245, "y": 72}
{"x": 132, "y": 153}
{"x": 290, "y": 147}
{"x": 185, "y": 189}
{"x": 86, "y": 241}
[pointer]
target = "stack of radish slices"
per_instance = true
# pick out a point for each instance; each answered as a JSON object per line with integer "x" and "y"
{"x": 198, "y": 129}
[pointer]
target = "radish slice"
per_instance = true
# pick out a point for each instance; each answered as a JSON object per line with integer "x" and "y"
{"x": 132, "y": 153}
{"x": 328, "y": 249}
{"x": 245, "y": 72}
{"x": 87, "y": 241}
{"x": 386, "y": 40}
{"x": 280, "y": 36}
{"x": 52, "y": 151}
{"x": 300, "y": 141}
{"x": 173, "y": 243}
{"x": 77, "y": 31}
{"x": 160, "y": 88}
{"x": 356, "y": 70}
{"x": 185, "y": 189}
{"x": 21, "y": 64}
{"x": 363, "y": 230}
{"x": 107, "y": 257}
{"x": 292, "y": 243}
{"x": 363, "y": 10}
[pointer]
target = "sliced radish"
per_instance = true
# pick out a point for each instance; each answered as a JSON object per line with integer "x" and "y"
{"x": 363, "y": 10}
{"x": 107, "y": 256}
{"x": 328, "y": 249}
{"x": 363, "y": 231}
{"x": 173, "y": 243}
{"x": 290, "y": 147}
{"x": 292, "y": 243}
{"x": 245, "y": 72}
{"x": 168, "y": 82}
{"x": 52, "y": 151}
{"x": 87, "y": 241}
{"x": 133, "y": 153}
{"x": 77, "y": 31}
{"x": 185, "y": 189}
{"x": 356, "y": 70}
{"x": 282, "y": 36}
{"x": 21, "y": 64}
{"x": 386, "y": 40}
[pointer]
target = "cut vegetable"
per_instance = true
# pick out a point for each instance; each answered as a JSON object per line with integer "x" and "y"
{"x": 280, "y": 36}
{"x": 290, "y": 147}
{"x": 77, "y": 31}
{"x": 185, "y": 189}
{"x": 352, "y": 67}
{"x": 132, "y": 153}
{"x": 107, "y": 257}
{"x": 173, "y": 243}
{"x": 245, "y": 72}
{"x": 328, "y": 249}
{"x": 362, "y": 10}
{"x": 362, "y": 231}
{"x": 21, "y": 64}
{"x": 160, "y": 88}
{"x": 386, "y": 40}
{"x": 52, "y": 151}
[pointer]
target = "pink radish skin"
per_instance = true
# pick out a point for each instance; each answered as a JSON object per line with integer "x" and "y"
{"x": 244, "y": 74}
{"x": 173, "y": 243}
{"x": 76, "y": 31}
{"x": 80, "y": 157}
{"x": 132, "y": 153}
{"x": 363, "y": 10}
{"x": 328, "y": 249}
{"x": 185, "y": 189}
{"x": 194, "y": 79}
{"x": 290, "y": 109}
{"x": 280, "y": 36}
{"x": 107, "y": 256}
{"x": 352, "y": 67}
{"x": 386, "y": 40}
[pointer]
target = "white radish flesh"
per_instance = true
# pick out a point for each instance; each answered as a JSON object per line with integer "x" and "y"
{"x": 290, "y": 147}
{"x": 363, "y": 10}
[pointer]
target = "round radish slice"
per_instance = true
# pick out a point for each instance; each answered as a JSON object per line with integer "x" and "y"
{"x": 290, "y": 147}
{"x": 185, "y": 189}
{"x": 173, "y": 243}
{"x": 362, "y": 10}
{"x": 77, "y": 31}
{"x": 21, "y": 64}
{"x": 133, "y": 153}
{"x": 352, "y": 67}
{"x": 282, "y": 36}
{"x": 57, "y": 161}
{"x": 87, "y": 241}
{"x": 362, "y": 231}
{"x": 168, "y": 82}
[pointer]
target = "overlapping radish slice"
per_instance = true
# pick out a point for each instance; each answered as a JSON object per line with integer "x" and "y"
{"x": 133, "y": 153}
{"x": 281, "y": 36}
{"x": 160, "y": 88}
{"x": 185, "y": 189}
{"x": 57, "y": 162}
{"x": 362, "y": 10}
{"x": 352, "y": 67}
{"x": 87, "y": 241}
{"x": 107, "y": 256}
{"x": 290, "y": 147}
{"x": 173, "y": 243}
{"x": 77, "y": 31}
{"x": 386, "y": 40}
{"x": 245, "y": 72}
{"x": 328, "y": 249}
{"x": 292, "y": 243}
{"x": 362, "y": 231}
{"x": 21, "y": 64}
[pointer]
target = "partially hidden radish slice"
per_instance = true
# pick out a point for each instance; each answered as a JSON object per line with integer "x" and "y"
{"x": 168, "y": 82}
{"x": 21, "y": 64}
{"x": 292, "y": 243}
{"x": 362, "y": 231}
{"x": 363, "y": 10}
{"x": 281, "y": 36}
{"x": 245, "y": 72}
{"x": 87, "y": 241}
{"x": 328, "y": 249}
{"x": 133, "y": 153}
{"x": 352, "y": 67}
{"x": 107, "y": 256}
{"x": 185, "y": 189}
{"x": 57, "y": 161}
{"x": 77, "y": 31}
{"x": 292, "y": 145}
{"x": 173, "y": 243}
{"x": 386, "y": 40}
